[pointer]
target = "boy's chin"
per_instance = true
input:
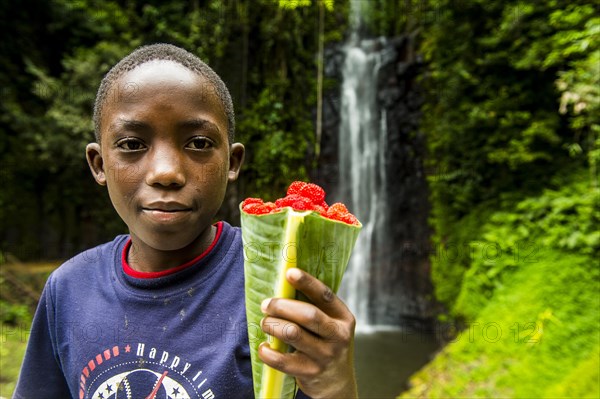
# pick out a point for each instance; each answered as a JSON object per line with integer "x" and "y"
{"x": 168, "y": 241}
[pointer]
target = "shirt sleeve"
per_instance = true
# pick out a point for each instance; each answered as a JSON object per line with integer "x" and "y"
{"x": 301, "y": 395}
{"x": 41, "y": 376}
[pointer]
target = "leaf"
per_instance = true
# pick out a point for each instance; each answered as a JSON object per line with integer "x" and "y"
{"x": 293, "y": 4}
{"x": 272, "y": 244}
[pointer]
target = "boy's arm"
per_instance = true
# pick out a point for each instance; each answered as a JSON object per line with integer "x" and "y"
{"x": 322, "y": 334}
{"x": 41, "y": 376}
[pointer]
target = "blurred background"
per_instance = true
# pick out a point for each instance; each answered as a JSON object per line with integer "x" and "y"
{"x": 465, "y": 135}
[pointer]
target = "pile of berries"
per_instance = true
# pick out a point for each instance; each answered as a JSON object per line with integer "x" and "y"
{"x": 301, "y": 196}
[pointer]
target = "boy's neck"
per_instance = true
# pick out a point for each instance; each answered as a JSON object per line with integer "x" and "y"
{"x": 146, "y": 259}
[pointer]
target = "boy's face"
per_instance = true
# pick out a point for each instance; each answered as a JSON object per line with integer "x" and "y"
{"x": 164, "y": 154}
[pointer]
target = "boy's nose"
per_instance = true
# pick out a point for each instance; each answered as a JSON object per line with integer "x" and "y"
{"x": 165, "y": 169}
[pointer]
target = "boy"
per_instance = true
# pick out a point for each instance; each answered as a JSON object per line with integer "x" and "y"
{"x": 160, "y": 313}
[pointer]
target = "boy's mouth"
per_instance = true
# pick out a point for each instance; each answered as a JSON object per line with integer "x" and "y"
{"x": 164, "y": 212}
{"x": 166, "y": 207}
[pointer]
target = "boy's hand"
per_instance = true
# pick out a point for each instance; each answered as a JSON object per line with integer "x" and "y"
{"x": 322, "y": 334}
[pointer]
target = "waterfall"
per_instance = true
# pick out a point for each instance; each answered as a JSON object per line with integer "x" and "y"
{"x": 362, "y": 166}
{"x": 373, "y": 139}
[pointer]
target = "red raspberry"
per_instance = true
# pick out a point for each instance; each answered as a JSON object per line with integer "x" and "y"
{"x": 338, "y": 207}
{"x": 322, "y": 210}
{"x": 335, "y": 215}
{"x": 249, "y": 201}
{"x": 256, "y": 209}
{"x": 324, "y": 205}
{"x": 295, "y": 201}
{"x": 286, "y": 201}
{"x": 350, "y": 219}
{"x": 313, "y": 192}
{"x": 302, "y": 205}
{"x": 338, "y": 211}
{"x": 295, "y": 187}
{"x": 270, "y": 206}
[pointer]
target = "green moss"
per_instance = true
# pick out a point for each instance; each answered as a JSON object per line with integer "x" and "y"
{"x": 582, "y": 382}
{"x": 13, "y": 340}
{"x": 521, "y": 235}
{"x": 541, "y": 327}
{"x": 452, "y": 255}
{"x": 529, "y": 298}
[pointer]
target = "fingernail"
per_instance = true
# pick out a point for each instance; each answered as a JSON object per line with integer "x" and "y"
{"x": 264, "y": 305}
{"x": 264, "y": 345}
{"x": 294, "y": 274}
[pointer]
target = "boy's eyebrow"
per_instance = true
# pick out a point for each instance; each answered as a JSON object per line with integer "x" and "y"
{"x": 197, "y": 124}
{"x": 129, "y": 124}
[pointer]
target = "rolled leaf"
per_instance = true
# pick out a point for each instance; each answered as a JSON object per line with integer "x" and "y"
{"x": 272, "y": 244}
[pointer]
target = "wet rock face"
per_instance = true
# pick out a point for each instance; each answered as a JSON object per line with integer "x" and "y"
{"x": 327, "y": 173}
{"x": 401, "y": 290}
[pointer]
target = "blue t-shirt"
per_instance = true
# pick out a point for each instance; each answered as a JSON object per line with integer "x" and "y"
{"x": 103, "y": 333}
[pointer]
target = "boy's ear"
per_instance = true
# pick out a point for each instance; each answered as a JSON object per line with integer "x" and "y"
{"x": 236, "y": 159}
{"x": 93, "y": 153}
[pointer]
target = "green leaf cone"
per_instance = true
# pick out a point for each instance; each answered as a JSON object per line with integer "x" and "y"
{"x": 272, "y": 243}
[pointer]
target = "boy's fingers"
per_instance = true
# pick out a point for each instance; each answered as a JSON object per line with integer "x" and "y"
{"x": 296, "y": 364}
{"x": 308, "y": 316}
{"x": 293, "y": 335}
{"x": 318, "y": 293}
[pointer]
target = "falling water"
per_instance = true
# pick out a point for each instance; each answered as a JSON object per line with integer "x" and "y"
{"x": 363, "y": 177}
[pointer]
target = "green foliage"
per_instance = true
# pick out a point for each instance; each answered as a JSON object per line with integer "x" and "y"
{"x": 582, "y": 382}
{"x": 453, "y": 257}
{"x": 513, "y": 97}
{"x": 293, "y": 4}
{"x": 512, "y": 124}
{"x": 393, "y": 17}
{"x": 536, "y": 337}
{"x": 14, "y": 314}
{"x": 493, "y": 110}
{"x": 13, "y": 342}
{"x": 566, "y": 219}
{"x": 487, "y": 246}
{"x": 275, "y": 156}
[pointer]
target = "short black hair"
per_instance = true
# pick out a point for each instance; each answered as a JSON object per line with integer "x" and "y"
{"x": 164, "y": 52}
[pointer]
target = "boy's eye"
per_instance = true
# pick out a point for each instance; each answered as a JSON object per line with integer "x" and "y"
{"x": 199, "y": 143}
{"x": 130, "y": 144}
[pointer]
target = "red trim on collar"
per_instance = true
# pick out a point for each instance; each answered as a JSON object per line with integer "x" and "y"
{"x": 137, "y": 274}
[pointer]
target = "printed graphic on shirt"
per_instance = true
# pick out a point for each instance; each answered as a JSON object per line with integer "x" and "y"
{"x": 142, "y": 372}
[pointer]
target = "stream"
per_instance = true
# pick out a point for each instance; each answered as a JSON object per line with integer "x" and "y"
{"x": 385, "y": 359}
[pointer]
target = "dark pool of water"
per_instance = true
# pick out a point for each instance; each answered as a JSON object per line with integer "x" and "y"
{"x": 384, "y": 361}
